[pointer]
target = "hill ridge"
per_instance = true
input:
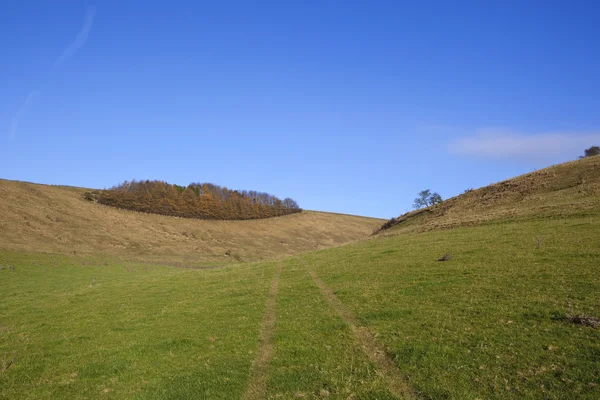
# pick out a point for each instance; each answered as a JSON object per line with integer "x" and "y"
{"x": 57, "y": 219}
{"x": 561, "y": 189}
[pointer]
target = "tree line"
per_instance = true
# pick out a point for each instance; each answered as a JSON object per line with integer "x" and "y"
{"x": 197, "y": 200}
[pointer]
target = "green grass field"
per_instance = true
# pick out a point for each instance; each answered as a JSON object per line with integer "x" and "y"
{"x": 491, "y": 323}
{"x": 88, "y": 330}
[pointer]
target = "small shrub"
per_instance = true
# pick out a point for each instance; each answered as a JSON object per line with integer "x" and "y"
{"x": 89, "y": 196}
{"x": 592, "y": 151}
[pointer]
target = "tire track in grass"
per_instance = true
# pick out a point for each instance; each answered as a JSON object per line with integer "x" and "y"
{"x": 257, "y": 384}
{"x": 396, "y": 382}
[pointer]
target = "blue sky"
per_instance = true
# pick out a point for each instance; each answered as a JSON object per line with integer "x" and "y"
{"x": 347, "y": 106}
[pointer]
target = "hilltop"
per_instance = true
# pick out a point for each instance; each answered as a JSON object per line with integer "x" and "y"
{"x": 553, "y": 192}
{"x": 57, "y": 219}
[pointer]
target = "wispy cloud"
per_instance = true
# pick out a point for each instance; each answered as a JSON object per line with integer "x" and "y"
{"x": 80, "y": 39}
{"x": 69, "y": 52}
{"x": 494, "y": 143}
{"x": 14, "y": 125}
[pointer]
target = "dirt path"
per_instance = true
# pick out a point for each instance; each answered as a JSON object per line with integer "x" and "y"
{"x": 257, "y": 384}
{"x": 397, "y": 383}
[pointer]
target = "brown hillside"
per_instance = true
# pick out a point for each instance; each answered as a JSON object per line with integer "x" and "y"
{"x": 41, "y": 218}
{"x": 561, "y": 190}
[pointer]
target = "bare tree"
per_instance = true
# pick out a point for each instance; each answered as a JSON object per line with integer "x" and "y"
{"x": 421, "y": 200}
{"x": 426, "y": 198}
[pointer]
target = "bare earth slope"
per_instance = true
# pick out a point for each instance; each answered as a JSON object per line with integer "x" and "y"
{"x": 561, "y": 190}
{"x": 41, "y": 218}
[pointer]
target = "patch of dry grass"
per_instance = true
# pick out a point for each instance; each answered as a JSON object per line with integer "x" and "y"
{"x": 55, "y": 219}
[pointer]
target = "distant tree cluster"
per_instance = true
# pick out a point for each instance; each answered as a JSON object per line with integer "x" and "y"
{"x": 427, "y": 198}
{"x": 592, "y": 151}
{"x": 197, "y": 200}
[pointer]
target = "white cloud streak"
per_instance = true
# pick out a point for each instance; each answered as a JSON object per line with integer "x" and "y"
{"x": 502, "y": 144}
{"x": 14, "y": 125}
{"x": 80, "y": 39}
{"x": 69, "y": 52}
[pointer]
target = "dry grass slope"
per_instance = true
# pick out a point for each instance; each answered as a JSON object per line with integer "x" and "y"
{"x": 558, "y": 191}
{"x": 56, "y": 219}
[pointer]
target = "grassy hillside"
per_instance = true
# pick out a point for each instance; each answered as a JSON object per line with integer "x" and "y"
{"x": 494, "y": 322}
{"x": 514, "y": 312}
{"x": 40, "y": 218}
{"x": 378, "y": 319}
{"x": 571, "y": 188}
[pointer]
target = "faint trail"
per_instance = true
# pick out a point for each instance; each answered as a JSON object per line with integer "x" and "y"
{"x": 257, "y": 384}
{"x": 396, "y": 382}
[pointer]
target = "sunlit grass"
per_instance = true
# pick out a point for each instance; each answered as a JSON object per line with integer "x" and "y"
{"x": 490, "y": 323}
{"x": 127, "y": 331}
{"x": 315, "y": 353}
